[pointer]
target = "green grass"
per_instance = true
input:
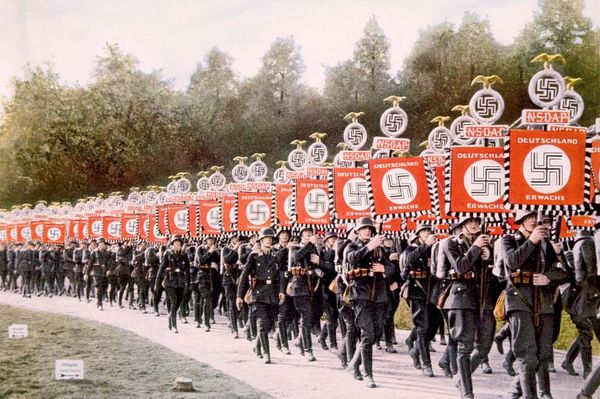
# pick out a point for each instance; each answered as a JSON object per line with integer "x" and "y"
{"x": 568, "y": 332}
{"x": 118, "y": 363}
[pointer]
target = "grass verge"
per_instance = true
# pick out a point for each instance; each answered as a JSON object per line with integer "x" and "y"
{"x": 118, "y": 364}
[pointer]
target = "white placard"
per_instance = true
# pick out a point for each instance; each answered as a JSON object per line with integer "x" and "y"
{"x": 68, "y": 369}
{"x": 18, "y": 331}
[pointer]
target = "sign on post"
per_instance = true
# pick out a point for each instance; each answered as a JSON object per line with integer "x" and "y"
{"x": 18, "y": 331}
{"x": 68, "y": 369}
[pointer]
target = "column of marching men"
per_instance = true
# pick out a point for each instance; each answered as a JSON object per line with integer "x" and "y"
{"x": 278, "y": 287}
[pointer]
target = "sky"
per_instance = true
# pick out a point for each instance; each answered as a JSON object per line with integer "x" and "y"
{"x": 173, "y": 36}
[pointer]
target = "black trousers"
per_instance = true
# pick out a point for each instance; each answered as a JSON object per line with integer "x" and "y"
{"x": 266, "y": 314}
{"x": 532, "y": 348}
{"x": 100, "y": 283}
{"x": 461, "y": 324}
{"x": 230, "y": 291}
{"x": 175, "y": 297}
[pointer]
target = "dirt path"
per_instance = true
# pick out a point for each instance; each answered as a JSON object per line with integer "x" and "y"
{"x": 291, "y": 376}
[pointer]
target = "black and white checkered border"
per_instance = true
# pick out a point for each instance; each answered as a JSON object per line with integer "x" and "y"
{"x": 585, "y": 207}
{"x": 234, "y": 224}
{"x": 293, "y": 211}
{"x": 489, "y": 216}
{"x": 429, "y": 173}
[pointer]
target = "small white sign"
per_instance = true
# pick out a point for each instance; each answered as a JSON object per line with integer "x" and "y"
{"x": 18, "y": 331}
{"x": 68, "y": 369}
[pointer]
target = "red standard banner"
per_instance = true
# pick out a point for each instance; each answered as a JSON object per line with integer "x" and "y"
{"x": 253, "y": 211}
{"x": 54, "y": 233}
{"x": 129, "y": 226}
{"x": 3, "y": 233}
{"x": 23, "y": 232}
{"x": 95, "y": 226}
{"x": 161, "y": 216}
{"x": 177, "y": 219}
{"x": 11, "y": 233}
{"x": 283, "y": 200}
{"x": 228, "y": 220}
{"x": 194, "y": 220}
{"x": 153, "y": 234}
{"x": 476, "y": 180}
{"x": 400, "y": 187}
{"x": 546, "y": 169}
{"x": 209, "y": 217}
{"x": 350, "y": 194}
{"x": 111, "y": 228}
{"x": 312, "y": 202}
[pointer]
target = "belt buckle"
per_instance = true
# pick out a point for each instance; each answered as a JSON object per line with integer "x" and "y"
{"x": 268, "y": 281}
{"x": 177, "y": 270}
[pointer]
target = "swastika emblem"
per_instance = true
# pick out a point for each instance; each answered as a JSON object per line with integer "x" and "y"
{"x": 297, "y": 159}
{"x": 339, "y": 163}
{"x": 399, "y": 186}
{"x": 279, "y": 176}
{"x": 239, "y": 173}
{"x": 3, "y": 235}
{"x": 97, "y": 227}
{"x": 184, "y": 185}
{"x": 212, "y": 218}
{"x": 317, "y": 153}
{"x": 486, "y": 105}
{"x": 258, "y": 170}
{"x": 114, "y": 229}
{"x": 13, "y": 234}
{"x": 39, "y": 230}
{"x": 203, "y": 184}
{"x": 457, "y": 128}
{"x": 440, "y": 139}
{"x": 181, "y": 219}
{"x": 316, "y": 203}
{"x": 356, "y": 194}
{"x": 54, "y": 234}
{"x": 546, "y": 88}
{"x": 258, "y": 212}
{"x": 355, "y": 136}
{"x": 573, "y": 103}
{"x": 26, "y": 233}
{"x": 217, "y": 181}
{"x": 547, "y": 169}
{"x": 393, "y": 122}
{"x": 484, "y": 181}
{"x": 131, "y": 226}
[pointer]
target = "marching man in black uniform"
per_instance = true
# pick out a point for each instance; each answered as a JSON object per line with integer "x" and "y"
{"x": 368, "y": 268}
{"x": 101, "y": 261}
{"x": 305, "y": 275}
{"x": 174, "y": 274}
{"x": 416, "y": 272}
{"x": 230, "y": 273}
{"x": 532, "y": 268}
{"x": 464, "y": 256}
{"x": 261, "y": 273}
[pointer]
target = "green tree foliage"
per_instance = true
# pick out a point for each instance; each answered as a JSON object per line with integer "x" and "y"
{"x": 128, "y": 127}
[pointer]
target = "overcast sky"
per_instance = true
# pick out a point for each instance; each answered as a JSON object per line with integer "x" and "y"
{"x": 175, "y": 35}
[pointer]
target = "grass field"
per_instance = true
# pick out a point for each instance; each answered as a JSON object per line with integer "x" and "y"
{"x": 118, "y": 364}
{"x": 568, "y": 332}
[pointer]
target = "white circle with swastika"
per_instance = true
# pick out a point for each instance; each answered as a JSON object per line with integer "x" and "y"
{"x": 172, "y": 188}
{"x": 2, "y": 235}
{"x": 356, "y": 194}
{"x": 486, "y": 106}
{"x": 440, "y": 139}
{"x": 212, "y": 218}
{"x": 317, "y": 153}
{"x": 240, "y": 173}
{"x": 26, "y": 232}
{"x": 379, "y": 154}
{"x": 258, "y": 170}
{"x": 97, "y": 227}
{"x": 114, "y": 228}
{"x": 287, "y": 207}
{"x": 355, "y": 136}
{"x": 546, "y": 88}
{"x": 39, "y": 230}
{"x": 316, "y": 203}
{"x": 13, "y": 234}
{"x": 279, "y": 176}
{"x": 180, "y": 219}
{"x": 484, "y": 181}
{"x": 457, "y": 128}
{"x": 183, "y": 186}
{"x": 147, "y": 225}
{"x": 54, "y": 234}
{"x": 217, "y": 181}
{"x": 297, "y": 159}
{"x": 131, "y": 227}
{"x": 203, "y": 184}
{"x": 547, "y": 169}
{"x": 399, "y": 186}
{"x": 134, "y": 198}
{"x": 258, "y": 212}
{"x": 573, "y": 103}
{"x": 393, "y": 122}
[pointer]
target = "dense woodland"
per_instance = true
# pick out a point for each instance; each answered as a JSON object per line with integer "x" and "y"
{"x": 131, "y": 128}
